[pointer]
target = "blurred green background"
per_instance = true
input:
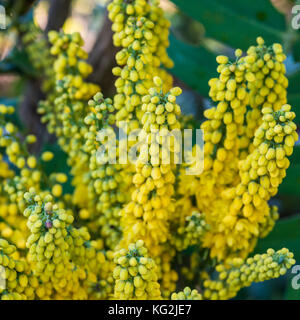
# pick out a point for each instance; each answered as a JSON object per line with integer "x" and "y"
{"x": 201, "y": 29}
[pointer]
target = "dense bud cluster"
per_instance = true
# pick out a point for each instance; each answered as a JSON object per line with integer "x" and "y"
{"x": 19, "y": 282}
{"x": 62, "y": 257}
{"x": 135, "y": 274}
{"x": 146, "y": 216}
{"x": 108, "y": 181}
{"x": 242, "y": 273}
{"x": 36, "y": 46}
{"x": 49, "y": 251}
{"x": 191, "y": 232}
{"x": 261, "y": 173}
{"x": 69, "y": 98}
{"x": 269, "y": 70}
{"x": 48, "y": 231}
{"x": 226, "y": 120}
{"x": 13, "y": 185}
{"x": 224, "y": 126}
{"x": 245, "y": 160}
{"x": 269, "y": 89}
{"x": 141, "y": 30}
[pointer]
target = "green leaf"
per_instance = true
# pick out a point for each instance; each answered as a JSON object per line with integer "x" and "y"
{"x": 294, "y": 101}
{"x": 286, "y": 233}
{"x": 193, "y": 65}
{"x": 17, "y": 61}
{"x": 237, "y": 23}
{"x": 294, "y": 81}
{"x": 57, "y": 164}
{"x": 293, "y": 93}
{"x": 291, "y": 183}
{"x": 296, "y": 50}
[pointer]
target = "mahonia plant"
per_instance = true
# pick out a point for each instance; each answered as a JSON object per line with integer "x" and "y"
{"x": 140, "y": 230}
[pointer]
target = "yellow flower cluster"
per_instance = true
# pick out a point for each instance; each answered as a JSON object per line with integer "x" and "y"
{"x": 269, "y": 87}
{"x": 49, "y": 251}
{"x": 66, "y": 117}
{"x": 63, "y": 258}
{"x": 260, "y": 173}
{"x": 242, "y": 273}
{"x": 13, "y": 185}
{"x": 48, "y": 229}
{"x": 102, "y": 287}
{"x": 224, "y": 126}
{"x": 141, "y": 30}
{"x": 135, "y": 274}
{"x": 147, "y": 215}
{"x": 19, "y": 282}
{"x": 191, "y": 232}
{"x": 245, "y": 150}
{"x": 108, "y": 182}
{"x": 37, "y": 48}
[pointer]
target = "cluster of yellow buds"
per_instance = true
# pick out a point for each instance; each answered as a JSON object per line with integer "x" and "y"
{"x": 142, "y": 32}
{"x": 245, "y": 151}
{"x": 242, "y": 273}
{"x": 135, "y": 274}
{"x": 63, "y": 258}
{"x": 269, "y": 87}
{"x": 37, "y": 48}
{"x": 47, "y": 243}
{"x": 108, "y": 181}
{"x": 191, "y": 233}
{"x": 261, "y": 173}
{"x": 224, "y": 126}
{"x": 103, "y": 286}
{"x": 16, "y": 281}
{"x": 12, "y": 204}
{"x": 11, "y": 142}
{"x": 70, "y": 98}
{"x": 48, "y": 228}
{"x": 146, "y": 216}
{"x": 269, "y": 70}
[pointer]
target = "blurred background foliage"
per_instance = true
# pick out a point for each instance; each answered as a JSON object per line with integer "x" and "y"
{"x": 201, "y": 30}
